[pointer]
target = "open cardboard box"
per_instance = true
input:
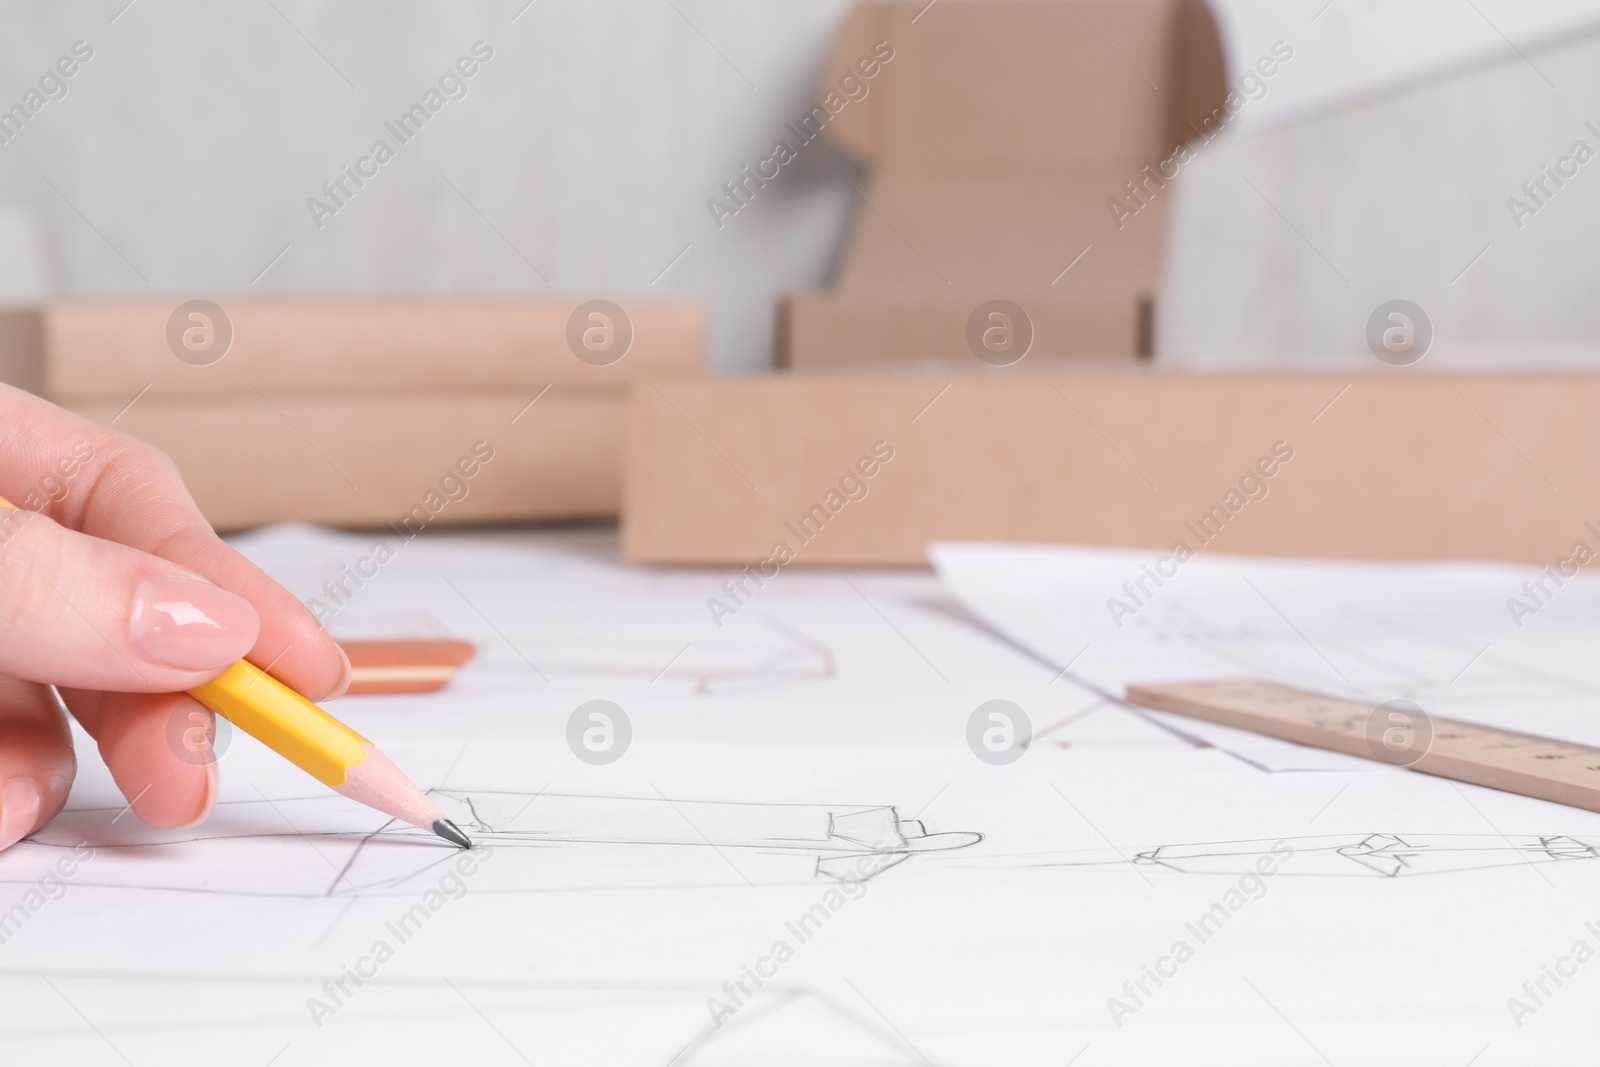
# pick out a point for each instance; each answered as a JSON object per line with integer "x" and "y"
{"x": 995, "y": 135}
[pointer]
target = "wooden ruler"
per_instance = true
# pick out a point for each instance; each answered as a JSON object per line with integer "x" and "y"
{"x": 1397, "y": 732}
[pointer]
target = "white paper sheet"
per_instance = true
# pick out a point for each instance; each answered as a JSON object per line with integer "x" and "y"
{"x": 802, "y": 777}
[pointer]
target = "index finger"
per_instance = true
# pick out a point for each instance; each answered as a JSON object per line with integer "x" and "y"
{"x": 106, "y": 484}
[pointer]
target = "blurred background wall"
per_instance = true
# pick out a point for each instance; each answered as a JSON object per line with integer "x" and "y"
{"x": 579, "y": 162}
{"x": 581, "y": 158}
{"x": 1398, "y": 182}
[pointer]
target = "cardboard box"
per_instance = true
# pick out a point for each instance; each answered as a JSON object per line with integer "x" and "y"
{"x": 21, "y": 348}
{"x": 995, "y": 135}
{"x": 842, "y": 331}
{"x": 370, "y": 462}
{"x": 116, "y": 348}
{"x": 1395, "y": 465}
{"x": 349, "y": 412}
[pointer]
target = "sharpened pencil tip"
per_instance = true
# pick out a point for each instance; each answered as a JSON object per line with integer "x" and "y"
{"x": 451, "y": 833}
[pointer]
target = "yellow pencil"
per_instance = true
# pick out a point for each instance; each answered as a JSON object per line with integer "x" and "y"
{"x": 318, "y": 744}
{"x": 321, "y": 745}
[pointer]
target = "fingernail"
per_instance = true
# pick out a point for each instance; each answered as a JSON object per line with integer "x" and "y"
{"x": 193, "y": 625}
{"x": 344, "y": 676}
{"x": 20, "y": 801}
{"x": 208, "y": 796}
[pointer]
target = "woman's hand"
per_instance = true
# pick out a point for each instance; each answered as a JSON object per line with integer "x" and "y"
{"x": 116, "y": 590}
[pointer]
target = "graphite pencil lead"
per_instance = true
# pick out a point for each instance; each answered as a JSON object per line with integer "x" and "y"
{"x": 451, "y": 833}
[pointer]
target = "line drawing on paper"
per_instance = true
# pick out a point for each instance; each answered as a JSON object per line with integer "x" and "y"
{"x": 533, "y": 842}
{"x": 1375, "y": 855}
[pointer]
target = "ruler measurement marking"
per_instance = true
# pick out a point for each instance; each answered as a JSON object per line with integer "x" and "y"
{"x": 1541, "y": 767}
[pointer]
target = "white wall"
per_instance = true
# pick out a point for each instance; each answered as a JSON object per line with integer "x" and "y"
{"x": 1354, "y": 51}
{"x": 591, "y": 141}
{"x": 1284, "y": 241}
{"x": 186, "y": 148}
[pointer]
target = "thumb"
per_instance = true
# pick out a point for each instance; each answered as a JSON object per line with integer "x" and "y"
{"x": 82, "y": 612}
